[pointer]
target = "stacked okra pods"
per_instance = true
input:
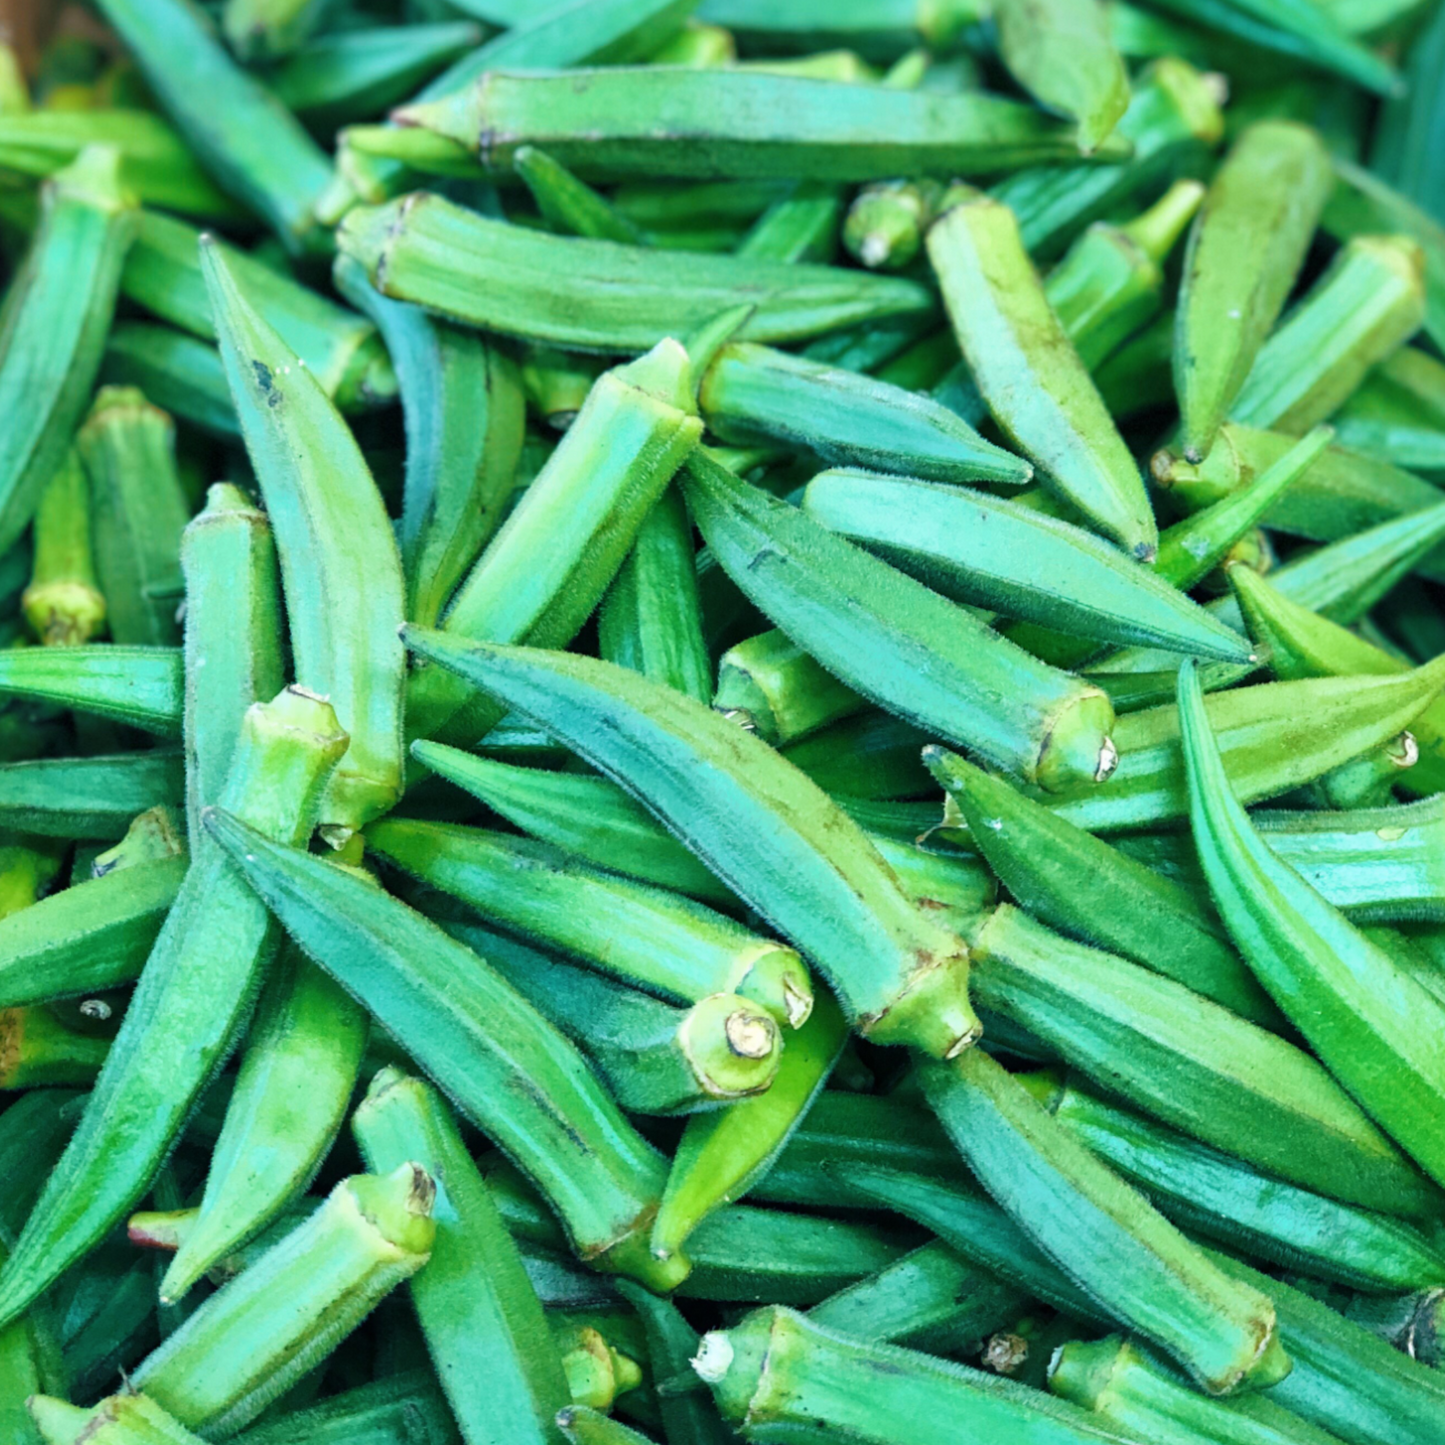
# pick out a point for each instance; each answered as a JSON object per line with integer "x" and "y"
{"x": 753, "y": 691}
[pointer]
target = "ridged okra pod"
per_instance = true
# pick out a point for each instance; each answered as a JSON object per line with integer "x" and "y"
{"x": 1103, "y": 1233}
{"x": 620, "y": 122}
{"x": 256, "y": 149}
{"x": 898, "y": 643}
{"x": 1245, "y": 251}
{"x": 775, "y": 688}
{"x": 556, "y": 554}
{"x": 63, "y": 602}
{"x": 658, "y": 941}
{"x": 768, "y": 832}
{"x": 138, "y": 511}
{"x": 463, "y": 407}
{"x": 251, "y": 1340}
{"x": 1028, "y": 371}
{"x": 1375, "y": 1027}
{"x": 128, "y": 1419}
{"x": 58, "y": 311}
{"x": 473, "y": 1033}
{"x": 141, "y": 686}
{"x": 777, "y": 1368}
{"x": 198, "y": 984}
{"x": 484, "y": 1326}
{"x": 87, "y": 797}
{"x": 599, "y": 295}
{"x": 339, "y": 563}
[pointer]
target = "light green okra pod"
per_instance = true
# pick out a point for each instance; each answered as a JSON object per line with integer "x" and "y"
{"x": 570, "y": 204}
{"x": 141, "y": 686}
{"x": 63, "y": 601}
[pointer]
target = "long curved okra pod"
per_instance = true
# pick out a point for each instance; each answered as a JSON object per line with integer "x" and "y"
{"x": 339, "y": 562}
{"x": 474, "y": 1034}
{"x": 895, "y": 641}
{"x": 63, "y": 602}
{"x": 988, "y": 552}
{"x": 1029, "y": 373}
{"x": 599, "y": 295}
{"x": 197, "y": 986}
{"x": 57, "y": 314}
{"x": 483, "y": 1323}
{"x": 658, "y": 941}
{"x": 141, "y": 686}
{"x": 1106, "y": 1236}
{"x": 767, "y": 831}
{"x": 1378, "y": 1030}
{"x": 1245, "y": 251}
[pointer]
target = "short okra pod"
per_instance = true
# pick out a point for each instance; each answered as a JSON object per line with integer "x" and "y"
{"x": 484, "y": 1325}
{"x": 58, "y": 312}
{"x": 472, "y": 1032}
{"x": 339, "y": 563}
{"x": 247, "y": 1344}
{"x": 89, "y": 797}
{"x": 1088, "y": 1220}
{"x": 128, "y": 1419}
{"x": 1245, "y": 251}
{"x": 1029, "y": 372}
{"x": 1359, "y": 1011}
{"x": 767, "y": 832}
{"x": 771, "y": 685}
{"x": 138, "y": 510}
{"x": 976, "y": 689}
{"x": 141, "y": 686}
{"x": 63, "y": 602}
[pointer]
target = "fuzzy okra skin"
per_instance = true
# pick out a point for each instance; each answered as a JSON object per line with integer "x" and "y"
{"x": 474, "y": 1034}
{"x": 1245, "y": 251}
{"x": 1103, "y": 1233}
{"x": 87, "y": 797}
{"x": 599, "y": 295}
{"x": 1028, "y": 371}
{"x": 622, "y": 122}
{"x": 1377, "y": 1028}
{"x": 58, "y": 312}
{"x": 895, "y": 641}
{"x": 484, "y": 1326}
{"x": 757, "y": 822}
{"x": 339, "y": 563}
{"x": 199, "y": 981}
{"x": 141, "y": 686}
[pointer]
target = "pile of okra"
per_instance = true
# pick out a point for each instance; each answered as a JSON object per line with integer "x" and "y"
{"x": 723, "y": 721}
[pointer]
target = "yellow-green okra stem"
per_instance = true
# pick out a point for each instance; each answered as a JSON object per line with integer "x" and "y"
{"x": 63, "y": 602}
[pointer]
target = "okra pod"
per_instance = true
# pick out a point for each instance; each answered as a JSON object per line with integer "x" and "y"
{"x": 38, "y": 1048}
{"x": 1028, "y": 371}
{"x": 768, "y": 832}
{"x": 471, "y": 1031}
{"x": 129, "y": 1419}
{"x": 290, "y": 1309}
{"x": 1360, "y": 1012}
{"x": 1245, "y": 251}
{"x": 898, "y": 643}
{"x": 57, "y": 314}
{"x": 141, "y": 686}
{"x": 570, "y": 204}
{"x": 775, "y": 688}
{"x": 198, "y": 984}
{"x": 89, "y": 797}
{"x": 63, "y": 602}
{"x": 179, "y": 373}
{"x": 405, "y": 1408}
{"x": 599, "y": 295}
{"x": 339, "y": 563}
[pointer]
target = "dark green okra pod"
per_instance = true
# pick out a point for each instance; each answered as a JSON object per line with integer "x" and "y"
{"x": 141, "y": 686}
{"x": 89, "y": 797}
{"x": 63, "y": 602}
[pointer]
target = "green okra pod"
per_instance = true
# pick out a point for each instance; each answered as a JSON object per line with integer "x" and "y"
{"x": 339, "y": 563}
{"x": 1359, "y": 1011}
{"x": 254, "y": 147}
{"x": 570, "y": 204}
{"x": 1218, "y": 1196}
{"x": 583, "y": 1425}
{"x": 983, "y": 550}
{"x": 1079, "y": 884}
{"x": 289, "y": 1310}
{"x": 138, "y": 510}
{"x": 721, "y": 1154}
{"x": 599, "y": 295}
{"x": 63, "y": 602}
{"x": 1089, "y": 1221}
{"x": 754, "y": 393}
{"x": 886, "y": 221}
{"x": 1200, "y": 1068}
{"x": 180, "y": 374}
{"x": 129, "y": 1419}
{"x": 297, "y": 1073}
{"x": 624, "y": 122}
{"x": 655, "y": 1057}
{"x": 803, "y": 226}
{"x": 198, "y": 984}
{"x": 654, "y": 940}
{"x": 767, "y": 831}
{"x": 1028, "y": 371}
{"x": 1245, "y": 251}
{"x": 89, "y": 797}
{"x": 772, "y": 686}
{"x": 141, "y": 686}
{"x": 469, "y": 1029}
{"x": 483, "y": 1323}
{"x": 899, "y": 643}
{"x": 57, "y": 314}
